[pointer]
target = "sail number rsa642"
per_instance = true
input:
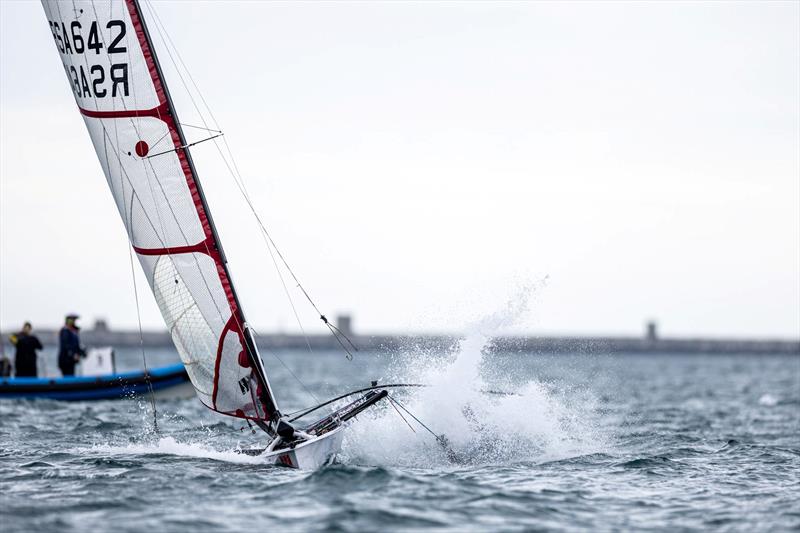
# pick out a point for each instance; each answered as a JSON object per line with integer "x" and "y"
{"x": 93, "y": 80}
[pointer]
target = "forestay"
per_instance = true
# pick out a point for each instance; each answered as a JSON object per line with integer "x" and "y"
{"x": 114, "y": 74}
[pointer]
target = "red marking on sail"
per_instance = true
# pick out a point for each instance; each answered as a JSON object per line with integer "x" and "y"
{"x": 229, "y": 326}
{"x": 155, "y": 112}
{"x": 141, "y": 148}
{"x": 203, "y": 247}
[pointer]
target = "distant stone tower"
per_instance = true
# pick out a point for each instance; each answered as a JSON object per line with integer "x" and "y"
{"x": 651, "y": 333}
{"x": 345, "y": 324}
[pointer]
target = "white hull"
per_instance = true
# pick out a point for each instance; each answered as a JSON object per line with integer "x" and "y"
{"x": 311, "y": 454}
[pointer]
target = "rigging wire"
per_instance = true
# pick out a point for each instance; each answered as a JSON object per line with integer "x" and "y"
{"x": 239, "y": 180}
{"x": 291, "y": 301}
{"x": 275, "y": 355}
{"x": 392, "y": 403}
{"x": 441, "y": 439}
{"x": 308, "y": 410}
{"x": 184, "y": 146}
{"x": 199, "y": 128}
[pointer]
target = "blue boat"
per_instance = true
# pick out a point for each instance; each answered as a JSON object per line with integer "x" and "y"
{"x": 167, "y": 381}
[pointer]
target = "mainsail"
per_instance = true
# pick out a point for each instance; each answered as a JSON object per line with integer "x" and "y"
{"x": 118, "y": 85}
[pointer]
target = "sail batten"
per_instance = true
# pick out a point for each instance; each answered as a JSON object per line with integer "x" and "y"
{"x": 110, "y": 64}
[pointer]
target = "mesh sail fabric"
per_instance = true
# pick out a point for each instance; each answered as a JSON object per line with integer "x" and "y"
{"x": 110, "y": 65}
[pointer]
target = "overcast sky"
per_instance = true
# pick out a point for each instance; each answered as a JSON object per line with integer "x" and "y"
{"x": 418, "y": 163}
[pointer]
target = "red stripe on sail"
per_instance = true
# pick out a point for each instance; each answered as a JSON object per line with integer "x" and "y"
{"x": 229, "y": 326}
{"x": 200, "y": 248}
{"x": 156, "y": 112}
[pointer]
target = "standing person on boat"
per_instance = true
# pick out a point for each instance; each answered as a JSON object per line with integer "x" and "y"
{"x": 69, "y": 346}
{"x": 26, "y": 345}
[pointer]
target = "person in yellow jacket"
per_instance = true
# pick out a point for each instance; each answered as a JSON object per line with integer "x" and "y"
{"x": 26, "y": 345}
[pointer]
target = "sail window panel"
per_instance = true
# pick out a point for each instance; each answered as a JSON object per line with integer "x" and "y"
{"x": 196, "y": 338}
{"x": 200, "y": 372}
{"x": 183, "y": 285}
{"x": 151, "y": 193}
{"x": 199, "y": 273}
{"x": 101, "y": 54}
{"x": 185, "y": 280}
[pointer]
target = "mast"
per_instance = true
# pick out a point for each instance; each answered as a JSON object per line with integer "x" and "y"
{"x": 250, "y": 345}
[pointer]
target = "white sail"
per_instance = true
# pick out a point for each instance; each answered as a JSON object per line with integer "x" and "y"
{"x": 112, "y": 69}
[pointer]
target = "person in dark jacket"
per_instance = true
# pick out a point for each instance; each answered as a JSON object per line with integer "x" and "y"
{"x": 69, "y": 346}
{"x": 26, "y": 346}
{"x": 5, "y": 366}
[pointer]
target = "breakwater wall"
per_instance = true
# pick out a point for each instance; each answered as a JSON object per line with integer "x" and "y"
{"x": 395, "y": 343}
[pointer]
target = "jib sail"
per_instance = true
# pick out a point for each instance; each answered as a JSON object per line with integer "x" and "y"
{"x": 114, "y": 74}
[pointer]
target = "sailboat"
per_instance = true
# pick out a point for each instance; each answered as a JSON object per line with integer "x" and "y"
{"x": 113, "y": 70}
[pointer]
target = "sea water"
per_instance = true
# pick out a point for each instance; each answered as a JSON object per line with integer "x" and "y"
{"x": 583, "y": 441}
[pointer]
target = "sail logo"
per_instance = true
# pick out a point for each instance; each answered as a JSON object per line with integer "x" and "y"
{"x": 80, "y": 45}
{"x": 244, "y": 385}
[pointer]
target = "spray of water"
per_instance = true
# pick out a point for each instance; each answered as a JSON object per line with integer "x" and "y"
{"x": 171, "y": 446}
{"x": 536, "y": 423}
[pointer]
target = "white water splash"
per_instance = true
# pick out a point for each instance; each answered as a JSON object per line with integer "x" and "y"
{"x": 534, "y": 424}
{"x": 170, "y": 446}
{"x": 768, "y": 400}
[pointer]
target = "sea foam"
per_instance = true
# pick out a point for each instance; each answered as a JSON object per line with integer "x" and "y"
{"x": 534, "y": 423}
{"x": 171, "y": 446}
